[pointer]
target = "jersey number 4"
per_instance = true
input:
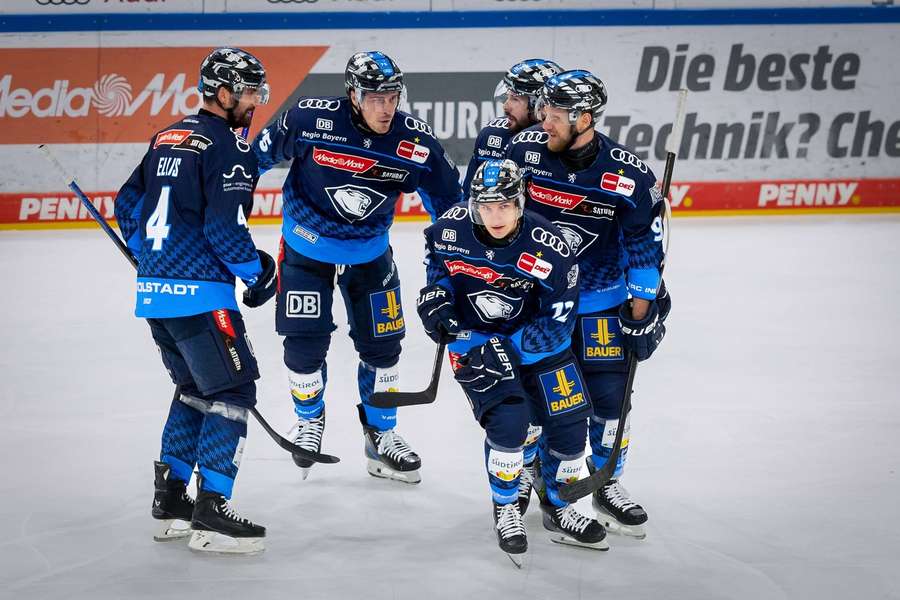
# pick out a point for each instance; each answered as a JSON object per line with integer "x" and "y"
{"x": 158, "y": 223}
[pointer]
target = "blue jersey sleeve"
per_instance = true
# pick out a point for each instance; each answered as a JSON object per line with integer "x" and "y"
{"x": 128, "y": 206}
{"x": 439, "y": 187}
{"x": 229, "y": 179}
{"x": 641, "y": 223}
{"x": 435, "y": 273}
{"x": 276, "y": 142}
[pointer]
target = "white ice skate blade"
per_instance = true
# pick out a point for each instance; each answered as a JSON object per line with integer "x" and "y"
{"x": 215, "y": 543}
{"x": 561, "y": 538}
{"x": 304, "y": 472}
{"x": 613, "y": 525}
{"x": 517, "y": 559}
{"x": 172, "y": 529}
{"x": 379, "y": 469}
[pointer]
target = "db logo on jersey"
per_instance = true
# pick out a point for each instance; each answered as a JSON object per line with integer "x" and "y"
{"x": 494, "y": 141}
{"x": 302, "y": 305}
{"x": 619, "y": 184}
{"x": 414, "y": 152}
{"x": 538, "y": 267}
{"x": 533, "y": 157}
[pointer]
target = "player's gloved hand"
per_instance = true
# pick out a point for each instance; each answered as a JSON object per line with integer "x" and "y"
{"x": 483, "y": 367}
{"x": 262, "y": 289}
{"x": 435, "y": 307}
{"x": 663, "y": 301}
{"x": 644, "y": 335}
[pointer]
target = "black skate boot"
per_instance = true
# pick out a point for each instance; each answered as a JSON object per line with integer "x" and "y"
{"x": 389, "y": 455}
{"x": 510, "y": 531}
{"x": 307, "y": 433}
{"x": 171, "y": 505}
{"x": 568, "y": 526}
{"x": 526, "y": 483}
{"x": 219, "y": 529}
{"x": 615, "y": 509}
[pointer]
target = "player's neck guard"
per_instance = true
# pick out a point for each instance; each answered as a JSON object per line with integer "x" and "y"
{"x": 482, "y": 235}
{"x": 578, "y": 159}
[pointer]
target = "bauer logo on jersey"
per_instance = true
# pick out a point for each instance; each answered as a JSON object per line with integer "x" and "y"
{"x": 602, "y": 339}
{"x": 563, "y": 390}
{"x": 493, "y": 306}
{"x": 354, "y": 202}
{"x": 538, "y": 267}
{"x": 414, "y": 152}
{"x": 615, "y": 182}
{"x": 551, "y": 197}
{"x": 387, "y": 314}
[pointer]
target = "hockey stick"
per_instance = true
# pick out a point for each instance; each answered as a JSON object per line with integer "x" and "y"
{"x": 426, "y": 396}
{"x": 579, "y": 489}
{"x": 73, "y": 186}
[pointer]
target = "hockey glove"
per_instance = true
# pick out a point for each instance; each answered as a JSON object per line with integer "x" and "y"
{"x": 262, "y": 289}
{"x": 483, "y": 367}
{"x": 435, "y": 307}
{"x": 643, "y": 336}
{"x": 664, "y": 301}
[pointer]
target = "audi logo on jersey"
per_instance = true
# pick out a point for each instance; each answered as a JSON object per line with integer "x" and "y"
{"x": 319, "y": 104}
{"x": 456, "y": 213}
{"x": 417, "y": 125}
{"x": 551, "y": 240}
{"x": 538, "y": 137}
{"x": 623, "y": 156}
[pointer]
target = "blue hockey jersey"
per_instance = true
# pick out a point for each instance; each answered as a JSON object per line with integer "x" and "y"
{"x": 340, "y": 193}
{"x": 491, "y": 143}
{"x": 527, "y": 291}
{"x": 610, "y": 213}
{"x": 183, "y": 215}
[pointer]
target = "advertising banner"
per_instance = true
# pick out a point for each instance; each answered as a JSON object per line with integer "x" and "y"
{"x": 781, "y": 119}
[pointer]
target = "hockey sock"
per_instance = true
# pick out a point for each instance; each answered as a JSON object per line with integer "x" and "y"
{"x": 181, "y": 434}
{"x": 308, "y": 392}
{"x": 222, "y": 446}
{"x": 603, "y": 435}
{"x": 531, "y": 443}
{"x": 375, "y": 379}
{"x": 557, "y": 468}
{"x": 504, "y": 468}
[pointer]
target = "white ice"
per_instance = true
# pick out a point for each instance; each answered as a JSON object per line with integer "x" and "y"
{"x": 765, "y": 439}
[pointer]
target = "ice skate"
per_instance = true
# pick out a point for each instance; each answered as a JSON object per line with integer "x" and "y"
{"x": 172, "y": 505}
{"x": 307, "y": 433}
{"x": 568, "y": 526}
{"x": 615, "y": 509}
{"x": 511, "y": 532}
{"x": 218, "y": 529}
{"x": 389, "y": 456}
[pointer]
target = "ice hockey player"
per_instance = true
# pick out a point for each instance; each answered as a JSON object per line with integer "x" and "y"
{"x": 503, "y": 288}
{"x": 352, "y": 157}
{"x": 606, "y": 203}
{"x": 183, "y": 213}
{"x": 517, "y": 91}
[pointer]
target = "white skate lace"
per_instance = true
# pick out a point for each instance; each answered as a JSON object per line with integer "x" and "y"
{"x": 526, "y": 481}
{"x": 226, "y": 509}
{"x": 571, "y": 519}
{"x": 393, "y": 446}
{"x": 617, "y": 495}
{"x": 307, "y": 433}
{"x": 509, "y": 521}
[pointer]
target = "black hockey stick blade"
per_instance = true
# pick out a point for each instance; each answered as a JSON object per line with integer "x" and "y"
{"x": 570, "y": 492}
{"x": 426, "y": 396}
{"x": 294, "y": 448}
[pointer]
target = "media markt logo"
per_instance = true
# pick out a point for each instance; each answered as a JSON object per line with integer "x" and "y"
{"x": 111, "y": 95}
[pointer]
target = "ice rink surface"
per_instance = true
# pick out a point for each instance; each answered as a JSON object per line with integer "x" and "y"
{"x": 765, "y": 439}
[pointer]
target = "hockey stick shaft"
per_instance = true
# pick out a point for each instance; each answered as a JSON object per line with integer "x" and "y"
{"x": 72, "y": 185}
{"x": 426, "y": 396}
{"x": 581, "y": 488}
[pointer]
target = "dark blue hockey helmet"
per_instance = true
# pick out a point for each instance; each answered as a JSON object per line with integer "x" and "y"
{"x": 577, "y": 91}
{"x": 526, "y": 78}
{"x": 235, "y": 69}
{"x": 372, "y": 72}
{"x": 496, "y": 180}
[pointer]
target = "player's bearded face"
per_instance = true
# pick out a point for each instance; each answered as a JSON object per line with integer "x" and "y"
{"x": 499, "y": 218}
{"x": 516, "y": 110}
{"x": 240, "y": 113}
{"x": 378, "y": 109}
{"x": 556, "y": 124}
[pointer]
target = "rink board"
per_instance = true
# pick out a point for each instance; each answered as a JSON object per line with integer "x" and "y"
{"x": 781, "y": 118}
